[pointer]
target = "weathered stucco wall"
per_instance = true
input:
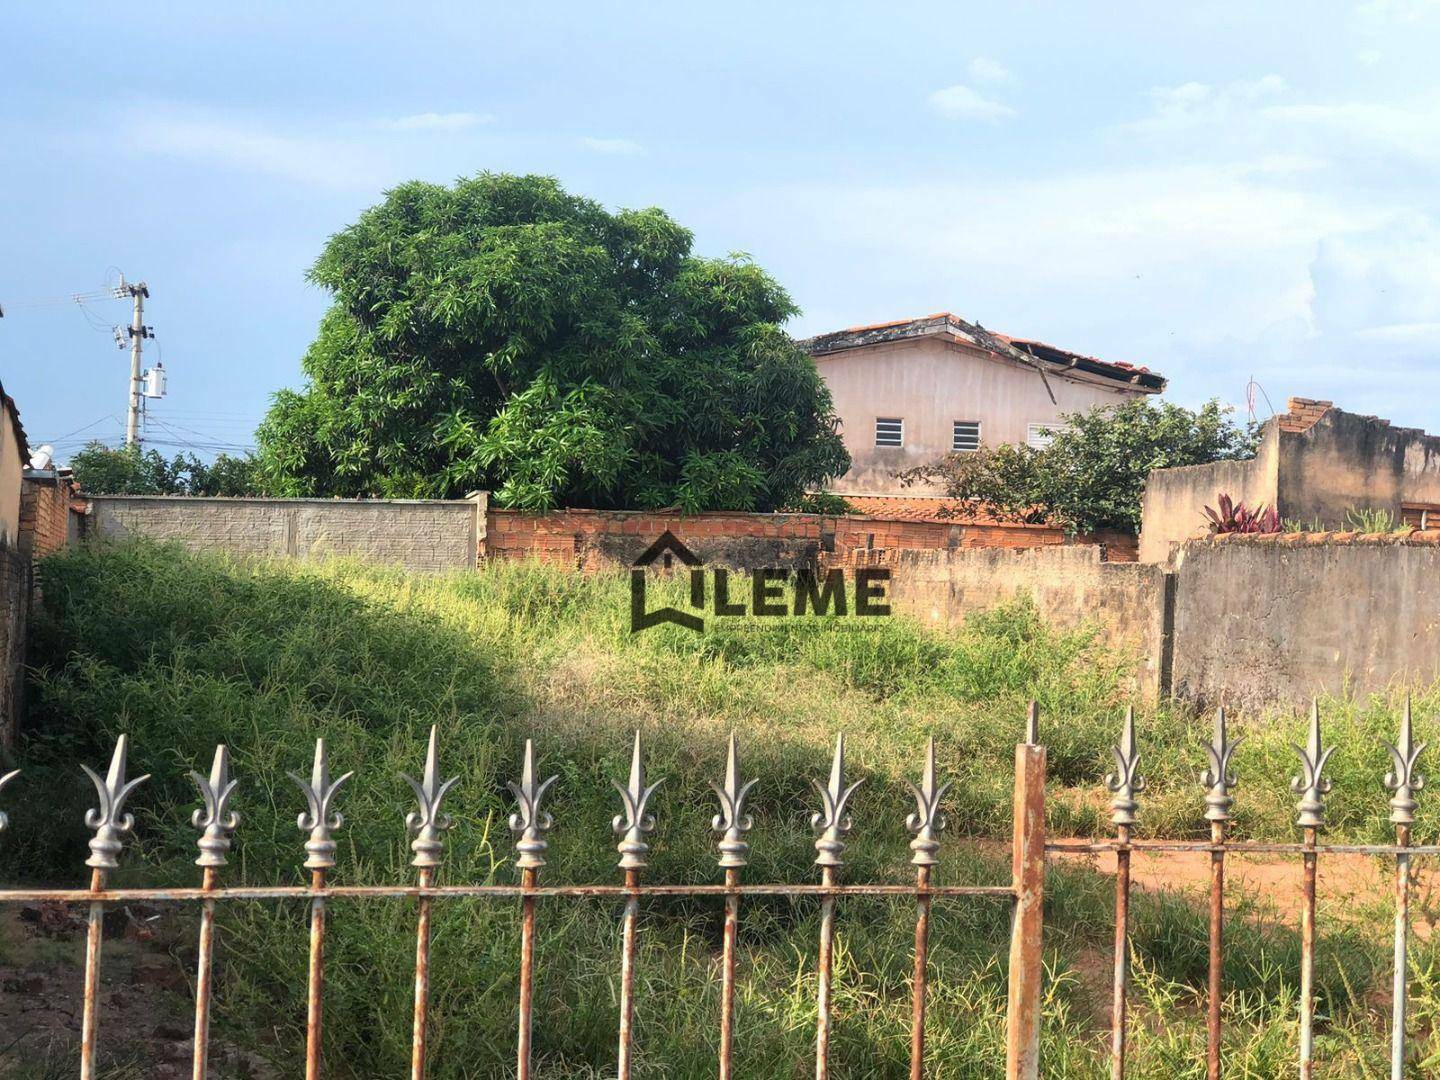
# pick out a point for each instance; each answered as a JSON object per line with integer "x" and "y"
{"x": 1261, "y": 620}
{"x": 1173, "y": 506}
{"x": 1344, "y": 462}
{"x": 11, "y": 469}
{"x": 426, "y": 536}
{"x": 1070, "y": 587}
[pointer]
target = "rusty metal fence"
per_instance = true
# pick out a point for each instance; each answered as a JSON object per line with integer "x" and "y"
{"x": 832, "y": 824}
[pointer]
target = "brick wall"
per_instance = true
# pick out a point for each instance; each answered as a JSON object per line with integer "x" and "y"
{"x": 591, "y": 539}
{"x": 45, "y": 513}
{"x": 14, "y": 616}
{"x": 1302, "y": 413}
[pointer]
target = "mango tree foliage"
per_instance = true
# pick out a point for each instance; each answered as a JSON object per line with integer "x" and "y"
{"x": 503, "y": 334}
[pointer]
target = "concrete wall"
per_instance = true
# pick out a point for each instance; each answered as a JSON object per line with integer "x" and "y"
{"x": 419, "y": 535}
{"x": 1344, "y": 462}
{"x": 1316, "y": 463}
{"x": 1070, "y": 587}
{"x": 11, "y": 469}
{"x": 1280, "y": 619}
{"x": 1173, "y": 506}
{"x": 930, "y": 383}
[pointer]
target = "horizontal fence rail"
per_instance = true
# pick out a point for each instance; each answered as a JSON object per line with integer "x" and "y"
{"x": 531, "y": 823}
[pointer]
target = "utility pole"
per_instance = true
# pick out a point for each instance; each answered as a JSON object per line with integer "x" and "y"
{"x": 138, "y": 332}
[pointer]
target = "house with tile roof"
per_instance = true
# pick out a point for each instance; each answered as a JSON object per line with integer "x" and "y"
{"x": 912, "y": 391}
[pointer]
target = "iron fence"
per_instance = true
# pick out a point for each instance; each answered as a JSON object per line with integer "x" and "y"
{"x": 832, "y": 824}
{"x": 530, "y": 823}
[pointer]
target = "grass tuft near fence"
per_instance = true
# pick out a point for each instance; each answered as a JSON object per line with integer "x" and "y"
{"x": 182, "y": 651}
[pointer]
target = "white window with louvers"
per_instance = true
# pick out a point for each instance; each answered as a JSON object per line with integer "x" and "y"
{"x": 966, "y": 439}
{"x": 889, "y": 431}
{"x": 1040, "y": 436}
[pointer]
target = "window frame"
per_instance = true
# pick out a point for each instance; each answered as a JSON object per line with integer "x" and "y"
{"x": 955, "y": 426}
{"x": 899, "y": 433}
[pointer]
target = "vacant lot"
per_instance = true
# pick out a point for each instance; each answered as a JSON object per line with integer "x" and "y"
{"x": 183, "y": 651}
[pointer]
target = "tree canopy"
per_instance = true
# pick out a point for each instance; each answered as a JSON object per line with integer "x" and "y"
{"x": 107, "y": 470}
{"x": 506, "y": 335}
{"x": 1092, "y": 474}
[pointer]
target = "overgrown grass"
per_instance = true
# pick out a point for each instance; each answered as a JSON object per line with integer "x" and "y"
{"x": 183, "y": 651}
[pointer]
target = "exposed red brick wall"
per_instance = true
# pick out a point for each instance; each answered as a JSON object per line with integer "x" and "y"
{"x": 1302, "y": 413}
{"x": 572, "y": 537}
{"x": 45, "y": 515}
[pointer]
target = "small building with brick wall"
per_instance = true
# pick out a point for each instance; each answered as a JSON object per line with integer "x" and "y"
{"x": 1315, "y": 464}
{"x": 910, "y": 392}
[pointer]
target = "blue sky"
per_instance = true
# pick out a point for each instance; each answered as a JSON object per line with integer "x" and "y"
{"x": 1213, "y": 190}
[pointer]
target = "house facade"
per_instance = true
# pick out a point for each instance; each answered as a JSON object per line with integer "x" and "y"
{"x": 912, "y": 391}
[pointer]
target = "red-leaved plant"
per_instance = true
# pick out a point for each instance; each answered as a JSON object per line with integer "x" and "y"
{"x": 1234, "y": 517}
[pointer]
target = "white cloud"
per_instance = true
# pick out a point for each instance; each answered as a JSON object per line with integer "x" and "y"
{"x": 611, "y": 146}
{"x": 985, "y": 70}
{"x": 431, "y": 121}
{"x": 1397, "y": 11}
{"x": 961, "y": 102}
{"x": 1194, "y": 103}
{"x": 319, "y": 158}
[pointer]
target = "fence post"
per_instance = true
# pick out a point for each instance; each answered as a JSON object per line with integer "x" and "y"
{"x": 1022, "y": 1050}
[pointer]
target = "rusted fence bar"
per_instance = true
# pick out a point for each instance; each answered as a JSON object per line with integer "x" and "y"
{"x": 1402, "y": 782}
{"x": 926, "y": 823}
{"x": 1312, "y": 787}
{"x": 632, "y": 825}
{"x": 216, "y": 822}
{"x": 529, "y": 824}
{"x": 320, "y": 820}
{"x": 1126, "y": 783}
{"x": 111, "y": 825}
{"x": 730, "y": 826}
{"x": 429, "y": 824}
{"x": 1027, "y": 875}
{"x": 832, "y": 823}
{"x": 1217, "y": 780}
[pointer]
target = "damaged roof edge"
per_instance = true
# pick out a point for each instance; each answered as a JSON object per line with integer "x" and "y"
{"x": 943, "y": 324}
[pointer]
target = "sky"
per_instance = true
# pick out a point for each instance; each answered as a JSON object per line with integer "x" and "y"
{"x": 1219, "y": 192}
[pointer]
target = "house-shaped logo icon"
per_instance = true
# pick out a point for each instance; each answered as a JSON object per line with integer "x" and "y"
{"x": 664, "y": 552}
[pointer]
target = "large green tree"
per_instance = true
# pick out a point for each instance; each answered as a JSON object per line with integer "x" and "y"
{"x": 1092, "y": 474}
{"x": 504, "y": 334}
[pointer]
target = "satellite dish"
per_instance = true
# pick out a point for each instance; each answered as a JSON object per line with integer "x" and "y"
{"x": 43, "y": 458}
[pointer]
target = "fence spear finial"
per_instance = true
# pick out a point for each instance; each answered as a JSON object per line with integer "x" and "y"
{"x": 732, "y": 822}
{"x": 1310, "y": 784}
{"x": 832, "y": 824}
{"x": 5, "y": 779}
{"x": 530, "y": 823}
{"x": 110, "y": 822}
{"x": 215, "y": 820}
{"x": 1402, "y": 780}
{"x": 634, "y": 822}
{"x": 429, "y": 822}
{"x": 320, "y": 820}
{"x": 927, "y": 821}
{"x": 1125, "y": 781}
{"x": 1218, "y": 779}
